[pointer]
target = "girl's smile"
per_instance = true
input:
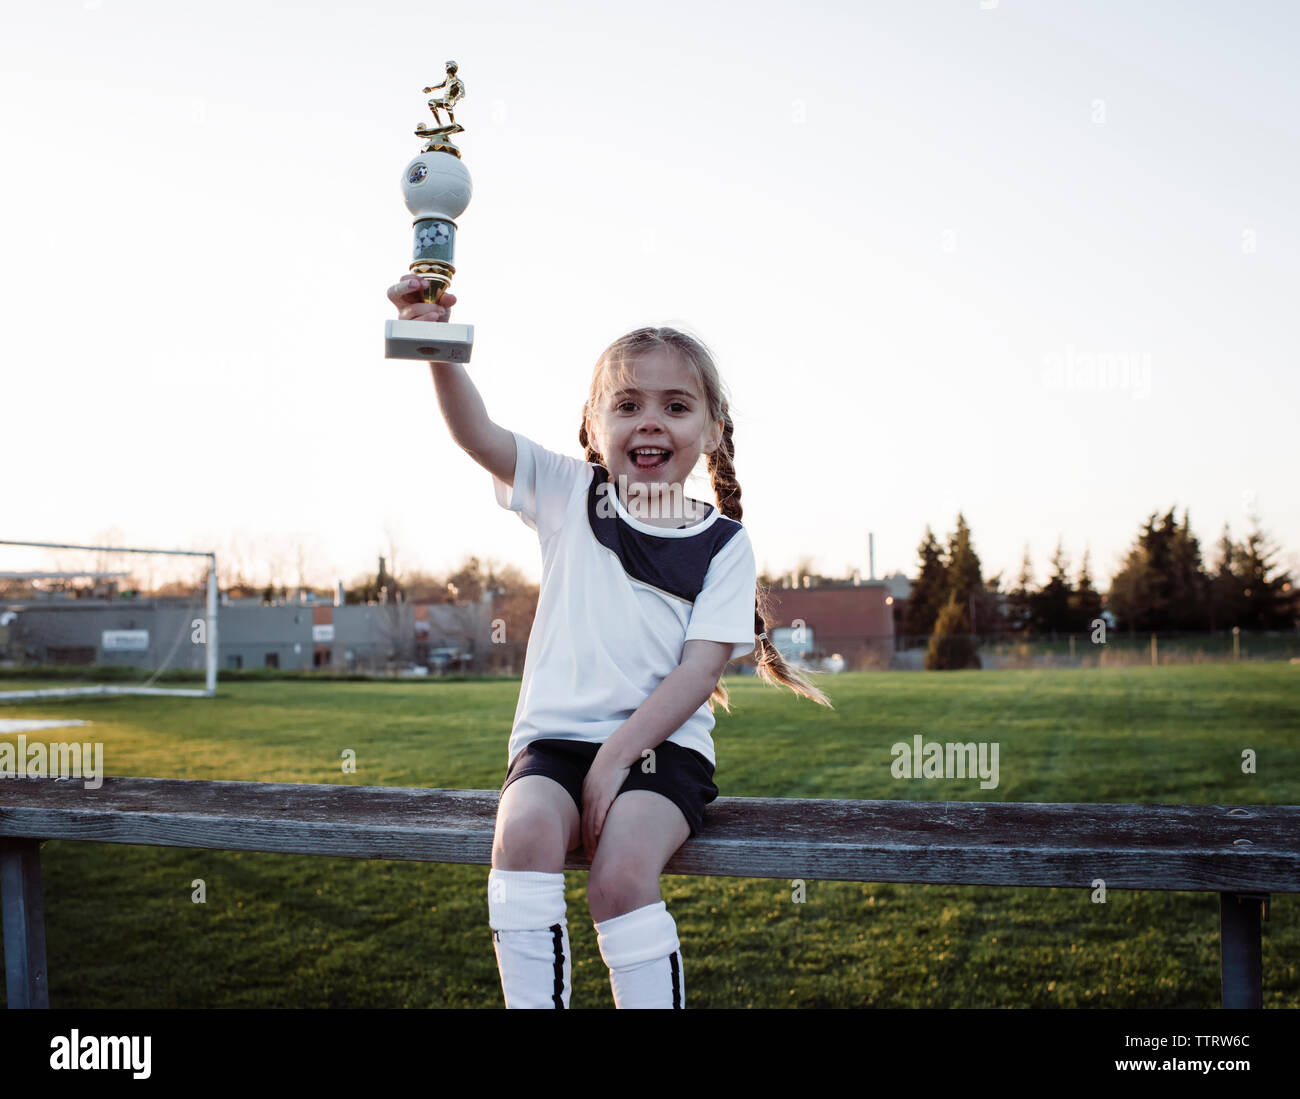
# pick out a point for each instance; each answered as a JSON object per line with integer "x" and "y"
{"x": 652, "y": 432}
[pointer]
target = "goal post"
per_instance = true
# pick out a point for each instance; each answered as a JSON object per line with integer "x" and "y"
{"x": 61, "y": 619}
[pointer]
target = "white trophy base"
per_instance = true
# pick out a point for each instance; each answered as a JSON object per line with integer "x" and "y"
{"x": 435, "y": 341}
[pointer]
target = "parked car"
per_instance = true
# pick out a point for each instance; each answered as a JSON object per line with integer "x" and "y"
{"x": 446, "y": 660}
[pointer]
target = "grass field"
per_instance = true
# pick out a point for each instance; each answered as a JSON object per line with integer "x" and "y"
{"x": 301, "y": 931}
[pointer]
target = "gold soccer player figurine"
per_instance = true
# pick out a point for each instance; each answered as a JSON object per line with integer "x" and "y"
{"x": 455, "y": 93}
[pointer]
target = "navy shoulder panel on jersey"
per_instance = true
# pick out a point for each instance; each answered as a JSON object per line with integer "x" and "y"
{"x": 675, "y": 565}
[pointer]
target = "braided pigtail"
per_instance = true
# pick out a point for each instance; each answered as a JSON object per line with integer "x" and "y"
{"x": 772, "y": 667}
{"x": 589, "y": 451}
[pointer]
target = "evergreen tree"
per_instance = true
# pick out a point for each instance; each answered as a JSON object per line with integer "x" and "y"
{"x": 951, "y": 645}
{"x": 963, "y": 563}
{"x": 1052, "y": 604}
{"x": 926, "y": 598}
{"x": 954, "y": 573}
{"x": 1020, "y": 600}
{"x": 1157, "y": 539}
{"x": 990, "y": 607}
{"x": 1085, "y": 604}
{"x": 964, "y": 578}
{"x": 1162, "y": 585}
{"x": 1227, "y": 603}
{"x": 1268, "y": 597}
{"x": 1187, "y": 585}
{"x": 1131, "y": 591}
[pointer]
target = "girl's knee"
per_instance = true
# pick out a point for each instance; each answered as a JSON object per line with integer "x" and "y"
{"x": 535, "y": 822}
{"x": 614, "y": 888}
{"x": 531, "y": 840}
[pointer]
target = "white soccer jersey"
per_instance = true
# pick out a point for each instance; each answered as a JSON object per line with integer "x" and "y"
{"x": 619, "y": 599}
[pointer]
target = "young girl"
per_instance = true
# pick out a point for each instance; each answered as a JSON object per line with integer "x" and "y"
{"x": 645, "y": 597}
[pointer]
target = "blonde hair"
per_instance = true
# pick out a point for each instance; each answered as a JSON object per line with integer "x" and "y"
{"x": 613, "y": 373}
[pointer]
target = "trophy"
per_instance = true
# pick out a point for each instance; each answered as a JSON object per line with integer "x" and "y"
{"x": 436, "y": 186}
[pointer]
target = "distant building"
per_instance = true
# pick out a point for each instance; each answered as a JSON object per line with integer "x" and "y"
{"x": 851, "y": 618}
{"x": 157, "y": 632}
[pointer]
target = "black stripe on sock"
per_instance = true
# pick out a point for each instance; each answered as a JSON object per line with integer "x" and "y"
{"x": 674, "y": 960}
{"x": 557, "y": 937}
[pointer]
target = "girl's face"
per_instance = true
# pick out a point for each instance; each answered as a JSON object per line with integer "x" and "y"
{"x": 665, "y": 410}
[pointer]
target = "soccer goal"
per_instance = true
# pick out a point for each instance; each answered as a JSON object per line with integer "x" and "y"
{"x": 106, "y": 620}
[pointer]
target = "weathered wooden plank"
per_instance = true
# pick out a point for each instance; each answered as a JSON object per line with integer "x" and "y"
{"x": 1171, "y": 847}
{"x": 22, "y": 918}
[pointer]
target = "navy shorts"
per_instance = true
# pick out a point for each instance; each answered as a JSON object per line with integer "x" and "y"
{"x": 682, "y": 775}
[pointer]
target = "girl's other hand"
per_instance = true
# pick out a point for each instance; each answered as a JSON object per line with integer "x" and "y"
{"x": 602, "y": 785}
{"x": 408, "y": 296}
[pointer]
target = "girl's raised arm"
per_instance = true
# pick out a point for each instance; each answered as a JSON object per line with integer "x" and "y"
{"x": 489, "y": 444}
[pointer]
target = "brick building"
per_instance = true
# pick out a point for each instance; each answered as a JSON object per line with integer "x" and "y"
{"x": 851, "y": 618}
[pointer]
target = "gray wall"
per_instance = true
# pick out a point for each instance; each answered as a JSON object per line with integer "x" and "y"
{"x": 39, "y": 629}
{"x": 366, "y": 638}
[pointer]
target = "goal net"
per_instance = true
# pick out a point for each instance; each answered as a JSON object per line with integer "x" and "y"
{"x": 100, "y": 620}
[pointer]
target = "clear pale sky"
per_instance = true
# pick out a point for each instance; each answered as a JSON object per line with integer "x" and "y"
{"x": 903, "y": 228}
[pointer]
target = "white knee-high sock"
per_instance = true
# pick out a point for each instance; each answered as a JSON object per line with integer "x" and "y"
{"x": 644, "y": 958}
{"x": 530, "y": 934}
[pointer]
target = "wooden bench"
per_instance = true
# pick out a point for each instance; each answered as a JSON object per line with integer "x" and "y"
{"x": 1242, "y": 853}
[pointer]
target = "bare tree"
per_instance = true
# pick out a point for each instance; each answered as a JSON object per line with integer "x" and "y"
{"x": 469, "y": 581}
{"x": 392, "y": 547}
{"x": 424, "y": 587}
{"x": 306, "y": 552}
{"x": 803, "y": 567}
{"x": 394, "y": 625}
{"x": 278, "y": 560}
{"x": 300, "y": 561}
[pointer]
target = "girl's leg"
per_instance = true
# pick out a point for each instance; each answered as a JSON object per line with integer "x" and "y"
{"x": 636, "y": 934}
{"x": 537, "y": 823}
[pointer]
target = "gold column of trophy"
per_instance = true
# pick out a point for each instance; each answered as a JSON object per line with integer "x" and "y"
{"x": 436, "y": 186}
